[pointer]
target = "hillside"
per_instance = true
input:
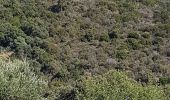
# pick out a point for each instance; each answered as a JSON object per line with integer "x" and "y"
{"x": 66, "y": 41}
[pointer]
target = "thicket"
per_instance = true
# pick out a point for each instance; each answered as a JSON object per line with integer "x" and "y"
{"x": 116, "y": 85}
{"x": 65, "y": 40}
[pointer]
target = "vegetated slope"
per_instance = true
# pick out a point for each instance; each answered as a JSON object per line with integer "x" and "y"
{"x": 19, "y": 82}
{"x": 67, "y": 39}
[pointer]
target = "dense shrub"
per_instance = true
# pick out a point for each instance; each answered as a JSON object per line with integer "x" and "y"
{"x": 116, "y": 85}
{"x": 18, "y": 82}
{"x": 66, "y": 39}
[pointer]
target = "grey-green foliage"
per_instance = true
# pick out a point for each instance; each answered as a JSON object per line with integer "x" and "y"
{"x": 117, "y": 86}
{"x": 18, "y": 82}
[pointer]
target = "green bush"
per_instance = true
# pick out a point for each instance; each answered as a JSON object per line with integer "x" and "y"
{"x": 164, "y": 80}
{"x": 146, "y": 35}
{"x": 104, "y": 37}
{"x": 134, "y": 43}
{"x": 145, "y": 42}
{"x": 121, "y": 54}
{"x": 88, "y": 37}
{"x": 167, "y": 90}
{"x": 133, "y": 35}
{"x": 117, "y": 86}
{"x": 18, "y": 82}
